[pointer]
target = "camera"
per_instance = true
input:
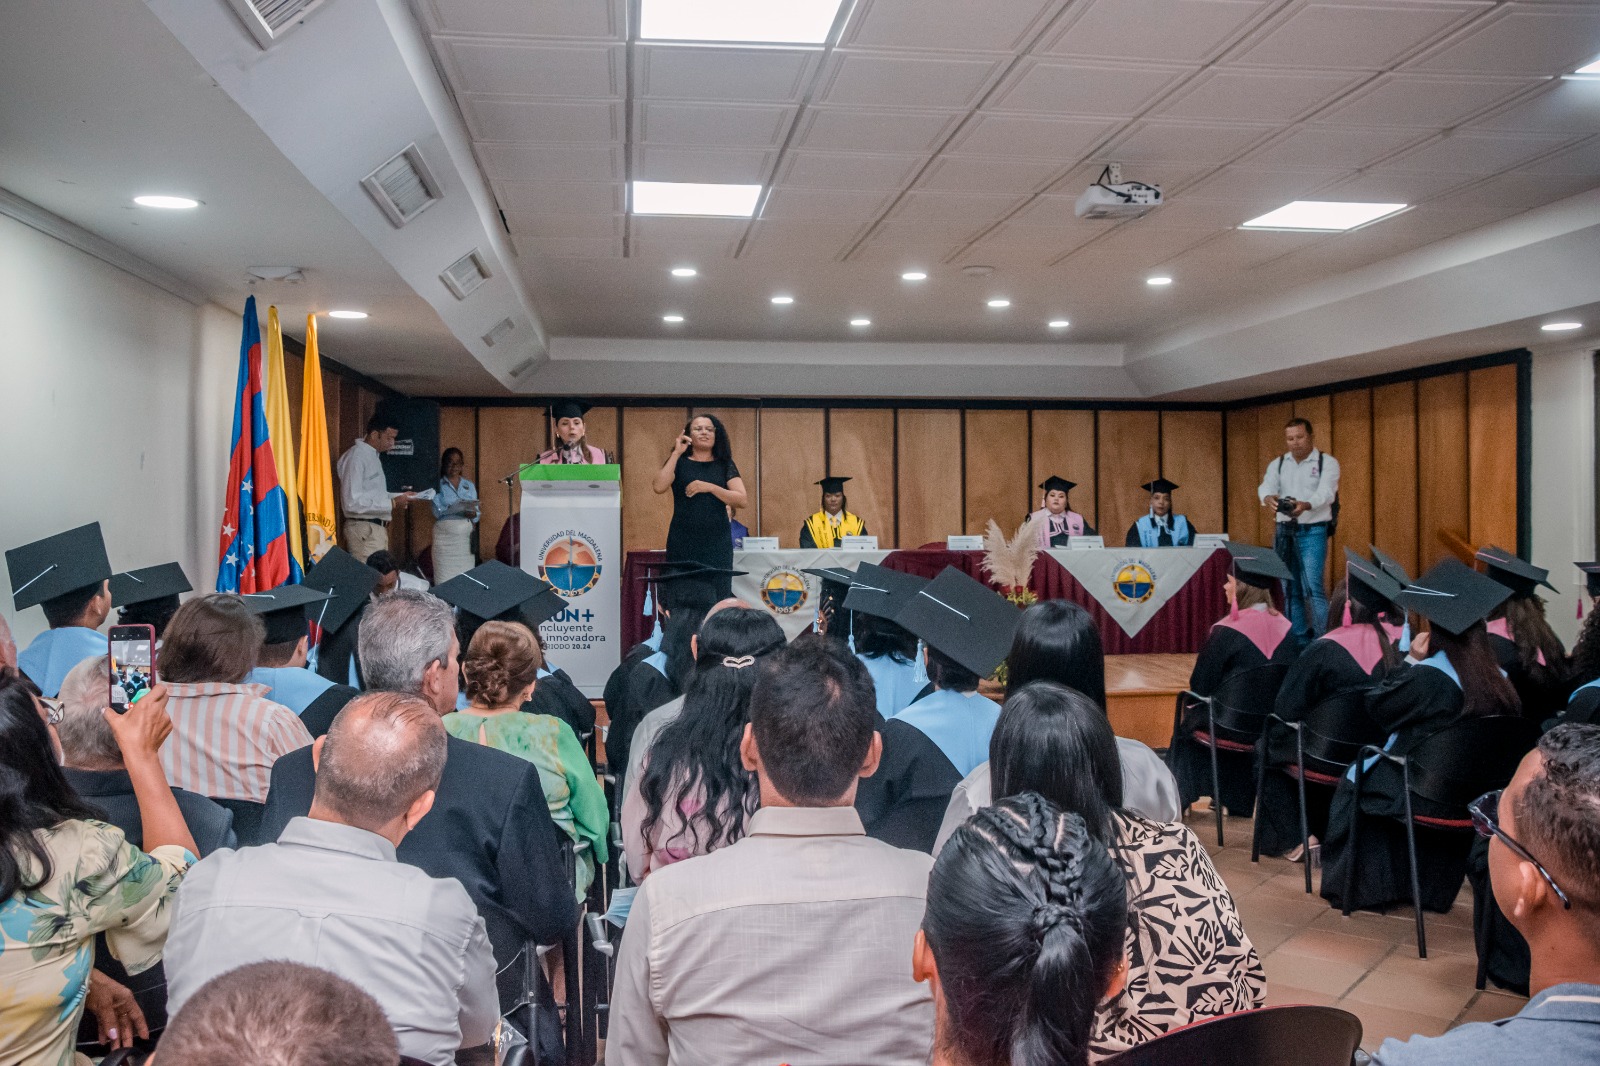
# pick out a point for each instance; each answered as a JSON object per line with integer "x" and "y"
{"x": 1286, "y": 505}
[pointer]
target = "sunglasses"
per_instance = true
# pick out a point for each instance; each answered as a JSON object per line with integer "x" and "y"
{"x": 1485, "y": 811}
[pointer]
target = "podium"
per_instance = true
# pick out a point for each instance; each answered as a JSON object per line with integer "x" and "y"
{"x": 572, "y": 538}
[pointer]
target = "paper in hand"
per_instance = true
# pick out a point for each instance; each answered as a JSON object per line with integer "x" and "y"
{"x": 426, "y": 494}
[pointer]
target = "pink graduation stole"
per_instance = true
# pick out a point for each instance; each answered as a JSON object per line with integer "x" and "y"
{"x": 1501, "y": 627}
{"x": 1068, "y": 522}
{"x": 1263, "y": 628}
{"x": 1361, "y": 642}
{"x": 553, "y": 456}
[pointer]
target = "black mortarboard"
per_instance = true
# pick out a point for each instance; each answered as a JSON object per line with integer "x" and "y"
{"x": 1591, "y": 577}
{"x": 1453, "y": 596}
{"x": 1256, "y": 565}
{"x": 497, "y": 591}
{"x": 568, "y": 408}
{"x": 1160, "y": 484}
{"x": 881, "y": 592}
{"x": 1519, "y": 576}
{"x": 351, "y": 582}
{"x": 57, "y": 565}
{"x": 1369, "y": 585}
{"x": 1053, "y": 483}
{"x": 685, "y": 583}
{"x": 964, "y": 619}
{"x": 836, "y": 575}
{"x": 149, "y": 583}
{"x": 1390, "y": 565}
{"x": 283, "y": 610}
{"x": 833, "y": 484}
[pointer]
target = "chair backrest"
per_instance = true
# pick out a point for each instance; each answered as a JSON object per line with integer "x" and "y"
{"x": 1243, "y": 700}
{"x": 1334, "y": 730}
{"x": 1271, "y": 1036}
{"x": 1461, "y": 762}
{"x": 246, "y": 819}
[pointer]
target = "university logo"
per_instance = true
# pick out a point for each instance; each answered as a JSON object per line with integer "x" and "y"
{"x": 1135, "y": 582}
{"x": 783, "y": 590}
{"x": 570, "y": 561}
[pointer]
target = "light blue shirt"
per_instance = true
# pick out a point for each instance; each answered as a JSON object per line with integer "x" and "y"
{"x": 447, "y": 505}
{"x": 894, "y": 681}
{"x": 960, "y": 723}
{"x": 53, "y": 653}
{"x": 293, "y": 686}
{"x": 1559, "y": 1025}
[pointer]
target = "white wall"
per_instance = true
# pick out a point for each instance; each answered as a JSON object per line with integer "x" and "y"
{"x": 1563, "y": 476}
{"x": 117, "y": 404}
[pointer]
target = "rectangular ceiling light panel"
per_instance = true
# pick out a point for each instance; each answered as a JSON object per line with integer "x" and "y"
{"x": 693, "y": 198}
{"x": 738, "y": 21}
{"x": 1327, "y": 215}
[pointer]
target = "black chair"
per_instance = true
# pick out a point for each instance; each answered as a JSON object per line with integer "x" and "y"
{"x": 246, "y": 820}
{"x": 1326, "y": 741}
{"x": 1230, "y": 719}
{"x": 1271, "y": 1036}
{"x": 1449, "y": 770}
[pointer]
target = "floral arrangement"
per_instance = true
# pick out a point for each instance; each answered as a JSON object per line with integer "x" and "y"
{"x": 1009, "y": 564}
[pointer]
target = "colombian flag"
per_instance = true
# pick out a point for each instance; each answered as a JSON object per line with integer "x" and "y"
{"x": 279, "y": 429}
{"x": 316, "y": 466}
{"x": 254, "y": 552}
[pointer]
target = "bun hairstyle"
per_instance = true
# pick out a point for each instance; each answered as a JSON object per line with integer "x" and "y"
{"x": 1026, "y": 917}
{"x": 503, "y": 660}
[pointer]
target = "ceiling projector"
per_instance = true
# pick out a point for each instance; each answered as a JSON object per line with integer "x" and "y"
{"x": 1112, "y": 198}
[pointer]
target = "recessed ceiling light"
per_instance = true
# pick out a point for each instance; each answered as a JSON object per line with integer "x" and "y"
{"x": 694, "y": 198}
{"x": 176, "y": 203}
{"x": 1158, "y": 279}
{"x": 672, "y": 319}
{"x": 789, "y": 22}
{"x": 1592, "y": 68}
{"x": 347, "y": 314}
{"x": 1560, "y": 327}
{"x": 1327, "y": 215}
{"x": 783, "y": 300}
{"x": 1059, "y": 323}
{"x": 684, "y": 272}
{"x": 913, "y": 275}
{"x": 997, "y": 304}
{"x": 861, "y": 321}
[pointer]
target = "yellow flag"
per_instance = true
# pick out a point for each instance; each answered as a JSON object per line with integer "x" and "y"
{"x": 281, "y": 433}
{"x": 316, "y": 469}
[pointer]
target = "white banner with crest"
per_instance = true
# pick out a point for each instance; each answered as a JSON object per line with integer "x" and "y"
{"x": 1132, "y": 584}
{"x": 776, "y": 582}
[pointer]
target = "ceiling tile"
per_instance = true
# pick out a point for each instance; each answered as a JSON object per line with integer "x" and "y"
{"x": 1250, "y": 184}
{"x": 676, "y": 250}
{"x": 850, "y": 130}
{"x": 787, "y": 241}
{"x": 568, "y": 248}
{"x": 1331, "y": 147}
{"x": 924, "y": 234}
{"x": 1382, "y": 185}
{"x": 1567, "y": 107}
{"x": 493, "y": 118}
{"x": 738, "y": 75}
{"x": 875, "y": 80}
{"x": 713, "y": 125}
{"x": 1016, "y": 137}
{"x": 662, "y": 228}
{"x": 1154, "y": 142}
{"x": 527, "y": 18}
{"x": 969, "y": 208}
{"x": 702, "y": 165}
{"x": 532, "y": 70}
{"x": 789, "y": 204}
{"x": 1209, "y": 215}
{"x": 1582, "y": 159}
{"x": 1354, "y": 36}
{"x": 973, "y": 175}
{"x": 1238, "y": 250}
{"x": 1145, "y": 242}
{"x": 591, "y": 227}
{"x": 524, "y": 162}
{"x": 1473, "y": 152}
{"x": 555, "y": 198}
{"x": 1059, "y": 88}
{"x": 1422, "y": 100}
{"x": 1509, "y": 192}
{"x": 1546, "y": 39}
{"x": 836, "y": 170}
{"x": 1256, "y": 96}
{"x": 1015, "y": 245}
{"x": 947, "y": 25}
{"x": 1175, "y": 30}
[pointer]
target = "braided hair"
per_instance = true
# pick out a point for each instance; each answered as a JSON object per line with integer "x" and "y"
{"x": 1026, "y": 916}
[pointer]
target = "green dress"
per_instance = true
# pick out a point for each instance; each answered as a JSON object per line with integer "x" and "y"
{"x": 576, "y": 802}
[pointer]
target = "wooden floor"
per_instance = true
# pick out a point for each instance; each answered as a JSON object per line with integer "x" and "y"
{"x": 1140, "y": 694}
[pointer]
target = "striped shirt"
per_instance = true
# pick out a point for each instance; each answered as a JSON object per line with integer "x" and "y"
{"x": 226, "y": 737}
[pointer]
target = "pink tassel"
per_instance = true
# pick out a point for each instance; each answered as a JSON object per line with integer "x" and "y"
{"x": 1347, "y": 618}
{"x": 1233, "y": 606}
{"x": 1580, "y": 606}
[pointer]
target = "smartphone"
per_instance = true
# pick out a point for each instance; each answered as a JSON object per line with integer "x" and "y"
{"x": 132, "y": 651}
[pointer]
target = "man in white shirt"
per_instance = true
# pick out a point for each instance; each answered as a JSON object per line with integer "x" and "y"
{"x": 364, "y": 491}
{"x": 1302, "y": 486}
{"x": 331, "y": 894}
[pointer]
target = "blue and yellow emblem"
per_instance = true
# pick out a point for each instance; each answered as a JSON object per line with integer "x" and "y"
{"x": 1134, "y": 582}
{"x": 783, "y": 590}
{"x": 571, "y": 562}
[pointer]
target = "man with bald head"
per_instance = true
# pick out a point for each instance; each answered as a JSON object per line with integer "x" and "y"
{"x": 331, "y": 894}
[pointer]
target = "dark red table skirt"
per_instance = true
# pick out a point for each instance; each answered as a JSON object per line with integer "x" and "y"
{"x": 1180, "y": 626}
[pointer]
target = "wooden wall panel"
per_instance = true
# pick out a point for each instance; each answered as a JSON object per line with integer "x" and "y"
{"x": 1350, "y": 440}
{"x": 1243, "y": 476}
{"x": 294, "y": 381}
{"x": 1442, "y": 475}
{"x": 600, "y": 426}
{"x": 740, "y": 423}
{"x": 1394, "y": 482}
{"x": 508, "y": 437}
{"x": 1129, "y": 455}
{"x": 861, "y": 447}
{"x": 648, "y": 434}
{"x": 1492, "y": 456}
{"x": 1064, "y": 443}
{"x": 1191, "y": 455}
{"x": 1269, "y": 447}
{"x": 997, "y": 485}
{"x": 792, "y": 458}
{"x": 1318, "y": 410}
{"x": 929, "y": 457}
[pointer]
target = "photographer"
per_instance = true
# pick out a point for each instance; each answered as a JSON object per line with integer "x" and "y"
{"x": 1302, "y": 486}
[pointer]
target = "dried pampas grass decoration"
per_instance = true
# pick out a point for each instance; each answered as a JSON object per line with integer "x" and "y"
{"x": 1009, "y": 564}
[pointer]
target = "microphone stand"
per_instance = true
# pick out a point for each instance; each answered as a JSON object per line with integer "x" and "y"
{"x": 510, "y": 482}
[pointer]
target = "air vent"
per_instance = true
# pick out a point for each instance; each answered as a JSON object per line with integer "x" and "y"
{"x": 269, "y": 20}
{"x": 465, "y": 274}
{"x": 522, "y": 367}
{"x": 403, "y": 187}
{"x": 498, "y": 334}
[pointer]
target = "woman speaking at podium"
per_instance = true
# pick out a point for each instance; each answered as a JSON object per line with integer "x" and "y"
{"x": 704, "y": 483}
{"x": 571, "y": 438}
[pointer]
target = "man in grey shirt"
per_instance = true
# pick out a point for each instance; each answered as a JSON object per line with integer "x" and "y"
{"x": 1544, "y": 835}
{"x": 330, "y": 894}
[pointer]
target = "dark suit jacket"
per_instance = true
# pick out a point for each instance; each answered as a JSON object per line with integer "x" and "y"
{"x": 210, "y": 824}
{"x": 320, "y": 712}
{"x": 489, "y": 828}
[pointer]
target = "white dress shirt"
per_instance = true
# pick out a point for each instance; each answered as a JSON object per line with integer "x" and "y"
{"x": 1302, "y": 481}
{"x": 333, "y": 896}
{"x": 363, "y": 490}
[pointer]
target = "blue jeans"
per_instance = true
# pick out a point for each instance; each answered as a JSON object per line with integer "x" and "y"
{"x": 1310, "y": 544}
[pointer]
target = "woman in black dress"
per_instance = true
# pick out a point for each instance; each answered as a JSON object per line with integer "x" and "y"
{"x": 704, "y": 483}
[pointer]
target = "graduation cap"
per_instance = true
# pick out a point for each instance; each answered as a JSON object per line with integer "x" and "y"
{"x": 1591, "y": 577}
{"x": 832, "y": 484}
{"x": 964, "y": 619}
{"x": 1160, "y": 484}
{"x": 495, "y": 591}
{"x": 350, "y": 581}
{"x": 1515, "y": 574}
{"x": 58, "y": 565}
{"x": 686, "y": 583}
{"x": 283, "y": 610}
{"x": 881, "y": 592}
{"x": 1057, "y": 484}
{"x": 1256, "y": 565}
{"x": 1453, "y": 596}
{"x": 1368, "y": 584}
{"x": 836, "y": 575}
{"x": 568, "y": 408}
{"x": 149, "y": 583}
{"x": 1390, "y": 565}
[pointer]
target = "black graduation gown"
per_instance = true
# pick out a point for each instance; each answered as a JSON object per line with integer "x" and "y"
{"x": 1163, "y": 539}
{"x": 644, "y": 689}
{"x": 1225, "y": 651}
{"x": 809, "y": 543}
{"x": 338, "y": 650}
{"x": 1504, "y": 950}
{"x": 1542, "y": 690}
{"x": 1583, "y": 708}
{"x": 903, "y": 803}
{"x": 558, "y": 697}
{"x": 1413, "y": 703}
{"x": 320, "y": 712}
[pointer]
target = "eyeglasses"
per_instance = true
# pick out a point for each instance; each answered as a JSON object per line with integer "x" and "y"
{"x": 55, "y": 710}
{"x": 1485, "y": 811}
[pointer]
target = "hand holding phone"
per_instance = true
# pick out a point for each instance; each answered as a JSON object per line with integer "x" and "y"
{"x": 132, "y": 656}
{"x": 141, "y": 727}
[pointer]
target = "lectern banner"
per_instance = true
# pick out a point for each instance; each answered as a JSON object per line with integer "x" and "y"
{"x": 572, "y": 537}
{"x": 777, "y": 583}
{"x": 1132, "y": 584}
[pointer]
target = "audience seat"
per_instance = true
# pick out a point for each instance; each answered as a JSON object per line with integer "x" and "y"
{"x": 246, "y": 819}
{"x": 1270, "y": 1036}
{"x": 1234, "y": 716}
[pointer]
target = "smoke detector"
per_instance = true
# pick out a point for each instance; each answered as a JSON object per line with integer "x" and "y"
{"x": 291, "y": 275}
{"x": 977, "y": 271}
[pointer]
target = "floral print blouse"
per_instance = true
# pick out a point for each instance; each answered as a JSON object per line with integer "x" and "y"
{"x": 99, "y": 883}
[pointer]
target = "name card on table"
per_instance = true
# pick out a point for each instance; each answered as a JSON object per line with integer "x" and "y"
{"x": 1081, "y": 543}
{"x": 859, "y": 543}
{"x": 760, "y": 544}
{"x": 1210, "y": 540}
{"x": 963, "y": 544}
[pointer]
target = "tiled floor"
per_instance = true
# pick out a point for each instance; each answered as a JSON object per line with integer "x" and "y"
{"x": 1367, "y": 963}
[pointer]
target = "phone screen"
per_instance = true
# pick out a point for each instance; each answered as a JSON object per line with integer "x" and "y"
{"x": 133, "y": 659}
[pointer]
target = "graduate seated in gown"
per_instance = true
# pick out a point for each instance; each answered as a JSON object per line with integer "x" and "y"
{"x": 70, "y": 577}
{"x": 888, "y": 651}
{"x": 824, "y": 528}
{"x": 1527, "y": 649}
{"x": 149, "y": 596}
{"x": 339, "y": 622}
{"x": 281, "y": 662}
{"x": 1160, "y": 528}
{"x": 1058, "y": 522}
